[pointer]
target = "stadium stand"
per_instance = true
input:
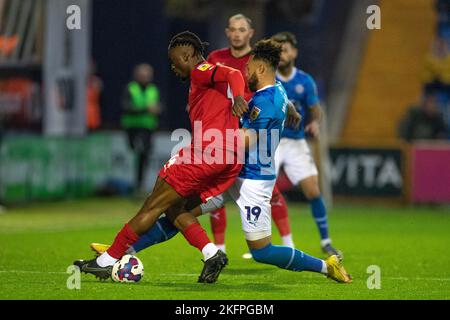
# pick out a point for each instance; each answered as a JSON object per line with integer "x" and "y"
{"x": 389, "y": 79}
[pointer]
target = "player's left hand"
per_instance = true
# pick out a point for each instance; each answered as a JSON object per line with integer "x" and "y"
{"x": 239, "y": 107}
{"x": 313, "y": 128}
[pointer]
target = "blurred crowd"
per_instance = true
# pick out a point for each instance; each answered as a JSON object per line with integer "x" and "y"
{"x": 430, "y": 118}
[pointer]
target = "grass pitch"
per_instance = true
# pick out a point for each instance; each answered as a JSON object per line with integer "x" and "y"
{"x": 410, "y": 245}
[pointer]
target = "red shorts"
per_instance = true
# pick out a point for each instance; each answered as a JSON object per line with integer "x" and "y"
{"x": 203, "y": 179}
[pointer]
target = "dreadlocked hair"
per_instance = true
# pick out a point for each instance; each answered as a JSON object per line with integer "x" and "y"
{"x": 187, "y": 38}
{"x": 269, "y": 51}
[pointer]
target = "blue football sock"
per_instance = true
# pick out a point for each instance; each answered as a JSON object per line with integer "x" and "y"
{"x": 287, "y": 258}
{"x": 161, "y": 231}
{"x": 319, "y": 213}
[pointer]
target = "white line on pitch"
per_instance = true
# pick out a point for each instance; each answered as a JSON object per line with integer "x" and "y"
{"x": 419, "y": 279}
{"x": 179, "y": 274}
{"x": 28, "y": 271}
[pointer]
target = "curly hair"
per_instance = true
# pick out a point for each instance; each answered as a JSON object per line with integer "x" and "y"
{"x": 269, "y": 51}
{"x": 187, "y": 38}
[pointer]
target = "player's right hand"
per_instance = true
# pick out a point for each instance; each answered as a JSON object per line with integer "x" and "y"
{"x": 293, "y": 117}
{"x": 239, "y": 107}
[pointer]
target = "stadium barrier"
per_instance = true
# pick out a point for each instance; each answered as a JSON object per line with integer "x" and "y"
{"x": 368, "y": 172}
{"x": 47, "y": 168}
{"x": 393, "y": 172}
{"x": 430, "y": 172}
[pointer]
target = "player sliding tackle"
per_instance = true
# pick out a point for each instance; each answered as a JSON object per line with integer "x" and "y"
{"x": 212, "y": 91}
{"x": 262, "y": 123}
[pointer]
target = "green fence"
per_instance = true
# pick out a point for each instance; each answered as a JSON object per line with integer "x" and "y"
{"x": 45, "y": 168}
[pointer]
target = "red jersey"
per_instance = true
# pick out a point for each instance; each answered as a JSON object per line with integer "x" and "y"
{"x": 212, "y": 90}
{"x": 211, "y": 93}
{"x": 224, "y": 57}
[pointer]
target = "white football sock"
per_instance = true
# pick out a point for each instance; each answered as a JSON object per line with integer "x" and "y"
{"x": 221, "y": 247}
{"x": 325, "y": 242}
{"x": 106, "y": 260}
{"x": 324, "y": 268}
{"x": 288, "y": 241}
{"x": 209, "y": 250}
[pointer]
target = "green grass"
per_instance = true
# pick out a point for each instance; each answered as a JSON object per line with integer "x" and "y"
{"x": 410, "y": 245}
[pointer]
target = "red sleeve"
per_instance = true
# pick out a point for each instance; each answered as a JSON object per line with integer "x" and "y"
{"x": 202, "y": 75}
{"x": 206, "y": 74}
{"x": 232, "y": 76}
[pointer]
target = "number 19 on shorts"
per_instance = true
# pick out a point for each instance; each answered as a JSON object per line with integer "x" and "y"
{"x": 253, "y": 212}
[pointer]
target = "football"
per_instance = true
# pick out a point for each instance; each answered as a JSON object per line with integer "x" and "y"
{"x": 128, "y": 269}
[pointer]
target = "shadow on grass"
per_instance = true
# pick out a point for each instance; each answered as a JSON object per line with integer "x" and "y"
{"x": 192, "y": 286}
{"x": 244, "y": 271}
{"x": 220, "y": 286}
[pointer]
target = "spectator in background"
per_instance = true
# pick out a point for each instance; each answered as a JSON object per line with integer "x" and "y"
{"x": 443, "y": 11}
{"x": 436, "y": 73}
{"x": 93, "y": 91}
{"x": 141, "y": 109}
{"x": 423, "y": 122}
{"x": 8, "y": 44}
{"x": 437, "y": 76}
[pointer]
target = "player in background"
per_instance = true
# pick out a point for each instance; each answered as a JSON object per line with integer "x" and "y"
{"x": 239, "y": 33}
{"x": 293, "y": 153}
{"x": 214, "y": 90}
{"x": 252, "y": 190}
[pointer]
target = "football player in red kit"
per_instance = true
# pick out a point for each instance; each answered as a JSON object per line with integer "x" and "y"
{"x": 215, "y": 93}
{"x": 239, "y": 33}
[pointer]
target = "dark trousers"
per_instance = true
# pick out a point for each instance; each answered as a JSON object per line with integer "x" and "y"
{"x": 140, "y": 141}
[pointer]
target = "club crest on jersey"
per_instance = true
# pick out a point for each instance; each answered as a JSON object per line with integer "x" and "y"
{"x": 205, "y": 66}
{"x": 254, "y": 113}
{"x": 299, "y": 89}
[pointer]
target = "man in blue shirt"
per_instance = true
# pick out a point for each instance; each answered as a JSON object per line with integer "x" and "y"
{"x": 293, "y": 153}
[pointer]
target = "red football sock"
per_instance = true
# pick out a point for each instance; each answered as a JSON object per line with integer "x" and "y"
{"x": 218, "y": 220}
{"x": 124, "y": 239}
{"x": 280, "y": 212}
{"x": 196, "y": 236}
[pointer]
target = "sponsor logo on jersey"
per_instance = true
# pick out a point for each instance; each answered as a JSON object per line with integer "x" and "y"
{"x": 205, "y": 66}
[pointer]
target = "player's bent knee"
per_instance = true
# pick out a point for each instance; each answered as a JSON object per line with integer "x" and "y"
{"x": 310, "y": 188}
{"x": 311, "y": 192}
{"x": 312, "y": 195}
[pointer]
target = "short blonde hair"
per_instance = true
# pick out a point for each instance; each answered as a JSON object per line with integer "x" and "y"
{"x": 241, "y": 16}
